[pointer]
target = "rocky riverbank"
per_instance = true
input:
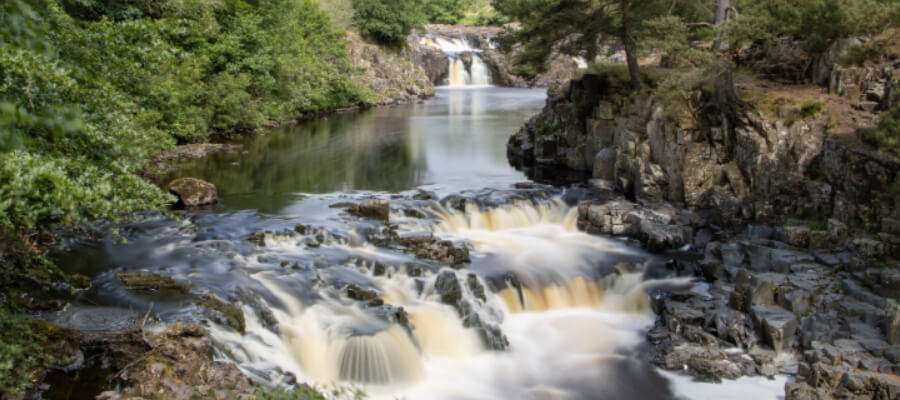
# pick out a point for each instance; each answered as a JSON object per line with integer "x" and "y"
{"x": 792, "y": 226}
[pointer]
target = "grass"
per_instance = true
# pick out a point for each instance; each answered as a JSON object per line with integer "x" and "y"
{"x": 816, "y": 223}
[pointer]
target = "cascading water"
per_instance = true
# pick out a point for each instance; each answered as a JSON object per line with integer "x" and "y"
{"x": 538, "y": 310}
{"x": 466, "y": 67}
{"x": 542, "y": 277}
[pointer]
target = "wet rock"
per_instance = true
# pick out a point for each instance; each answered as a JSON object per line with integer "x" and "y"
{"x": 62, "y": 344}
{"x": 802, "y": 391}
{"x": 445, "y": 251}
{"x": 193, "y": 192}
{"x": 152, "y": 282}
{"x": 258, "y": 238}
{"x": 180, "y": 366}
{"x": 375, "y": 209}
{"x": 358, "y": 293}
{"x": 224, "y": 313}
{"x": 776, "y": 326}
{"x": 80, "y": 282}
{"x": 447, "y": 287}
{"x": 660, "y": 228}
{"x": 678, "y": 315}
{"x": 704, "y": 362}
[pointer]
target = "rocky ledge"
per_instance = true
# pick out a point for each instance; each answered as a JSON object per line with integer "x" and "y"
{"x": 790, "y": 233}
{"x": 765, "y": 301}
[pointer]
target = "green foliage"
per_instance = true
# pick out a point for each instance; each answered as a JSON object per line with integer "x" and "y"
{"x": 387, "y": 21}
{"x": 446, "y": 11}
{"x": 20, "y": 353}
{"x": 816, "y": 23}
{"x": 620, "y": 80}
{"x": 887, "y": 135}
{"x": 859, "y": 55}
{"x": 580, "y": 27}
{"x": 86, "y": 97}
{"x": 301, "y": 392}
{"x": 669, "y": 36}
{"x": 810, "y": 108}
{"x": 341, "y": 12}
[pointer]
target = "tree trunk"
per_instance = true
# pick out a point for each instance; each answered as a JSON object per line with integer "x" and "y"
{"x": 630, "y": 48}
{"x": 722, "y": 6}
{"x": 633, "y": 68}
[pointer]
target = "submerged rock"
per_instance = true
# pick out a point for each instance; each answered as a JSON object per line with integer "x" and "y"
{"x": 152, "y": 282}
{"x": 224, "y": 313}
{"x": 193, "y": 192}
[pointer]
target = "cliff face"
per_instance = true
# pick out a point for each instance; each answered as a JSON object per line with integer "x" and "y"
{"x": 725, "y": 159}
{"x": 391, "y": 74}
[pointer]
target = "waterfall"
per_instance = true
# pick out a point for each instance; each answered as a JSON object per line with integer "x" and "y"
{"x": 464, "y": 62}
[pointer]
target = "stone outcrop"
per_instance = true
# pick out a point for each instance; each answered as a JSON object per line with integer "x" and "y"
{"x": 390, "y": 73}
{"x": 764, "y": 307}
{"x": 725, "y": 159}
{"x": 193, "y": 192}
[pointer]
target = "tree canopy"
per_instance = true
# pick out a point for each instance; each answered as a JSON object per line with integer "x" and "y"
{"x": 579, "y": 27}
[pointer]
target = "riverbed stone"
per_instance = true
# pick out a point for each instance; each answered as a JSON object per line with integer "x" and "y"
{"x": 152, "y": 282}
{"x": 375, "y": 209}
{"x": 776, "y": 326}
{"x": 193, "y": 192}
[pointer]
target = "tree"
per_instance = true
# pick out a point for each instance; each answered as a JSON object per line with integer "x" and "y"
{"x": 815, "y": 24}
{"x": 387, "y": 21}
{"x": 578, "y": 27}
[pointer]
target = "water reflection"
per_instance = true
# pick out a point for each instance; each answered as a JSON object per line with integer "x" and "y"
{"x": 456, "y": 140}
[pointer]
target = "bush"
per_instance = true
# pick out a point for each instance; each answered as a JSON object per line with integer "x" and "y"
{"x": 387, "y": 21}
{"x": 887, "y": 135}
{"x": 810, "y": 108}
{"x": 86, "y": 98}
{"x": 20, "y": 354}
{"x": 816, "y": 23}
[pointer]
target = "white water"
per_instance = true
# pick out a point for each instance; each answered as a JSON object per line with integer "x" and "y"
{"x": 569, "y": 330}
{"x": 476, "y": 74}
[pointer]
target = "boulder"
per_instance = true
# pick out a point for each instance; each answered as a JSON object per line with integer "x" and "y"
{"x": 193, "y": 192}
{"x": 376, "y": 209}
{"x": 776, "y": 326}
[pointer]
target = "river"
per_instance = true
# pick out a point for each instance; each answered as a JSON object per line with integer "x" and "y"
{"x": 542, "y": 311}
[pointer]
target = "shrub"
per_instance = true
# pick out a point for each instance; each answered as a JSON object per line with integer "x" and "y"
{"x": 887, "y": 135}
{"x": 387, "y": 21}
{"x": 810, "y": 108}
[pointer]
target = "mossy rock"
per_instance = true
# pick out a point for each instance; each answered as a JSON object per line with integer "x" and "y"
{"x": 154, "y": 282}
{"x": 228, "y": 313}
{"x": 193, "y": 192}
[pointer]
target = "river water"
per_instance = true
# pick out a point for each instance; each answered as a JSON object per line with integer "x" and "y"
{"x": 542, "y": 311}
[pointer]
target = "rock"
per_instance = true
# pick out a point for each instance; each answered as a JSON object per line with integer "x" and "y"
{"x": 448, "y": 287}
{"x": 892, "y": 326}
{"x": 869, "y": 247}
{"x": 704, "y": 362}
{"x": 678, "y": 315}
{"x": 776, "y": 326}
{"x": 154, "y": 282}
{"x": 797, "y": 236}
{"x": 224, "y": 313}
{"x": 605, "y": 164}
{"x": 375, "y": 209}
{"x": 180, "y": 367}
{"x": 193, "y": 192}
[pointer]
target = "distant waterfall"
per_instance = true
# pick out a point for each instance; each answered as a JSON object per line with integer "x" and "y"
{"x": 465, "y": 65}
